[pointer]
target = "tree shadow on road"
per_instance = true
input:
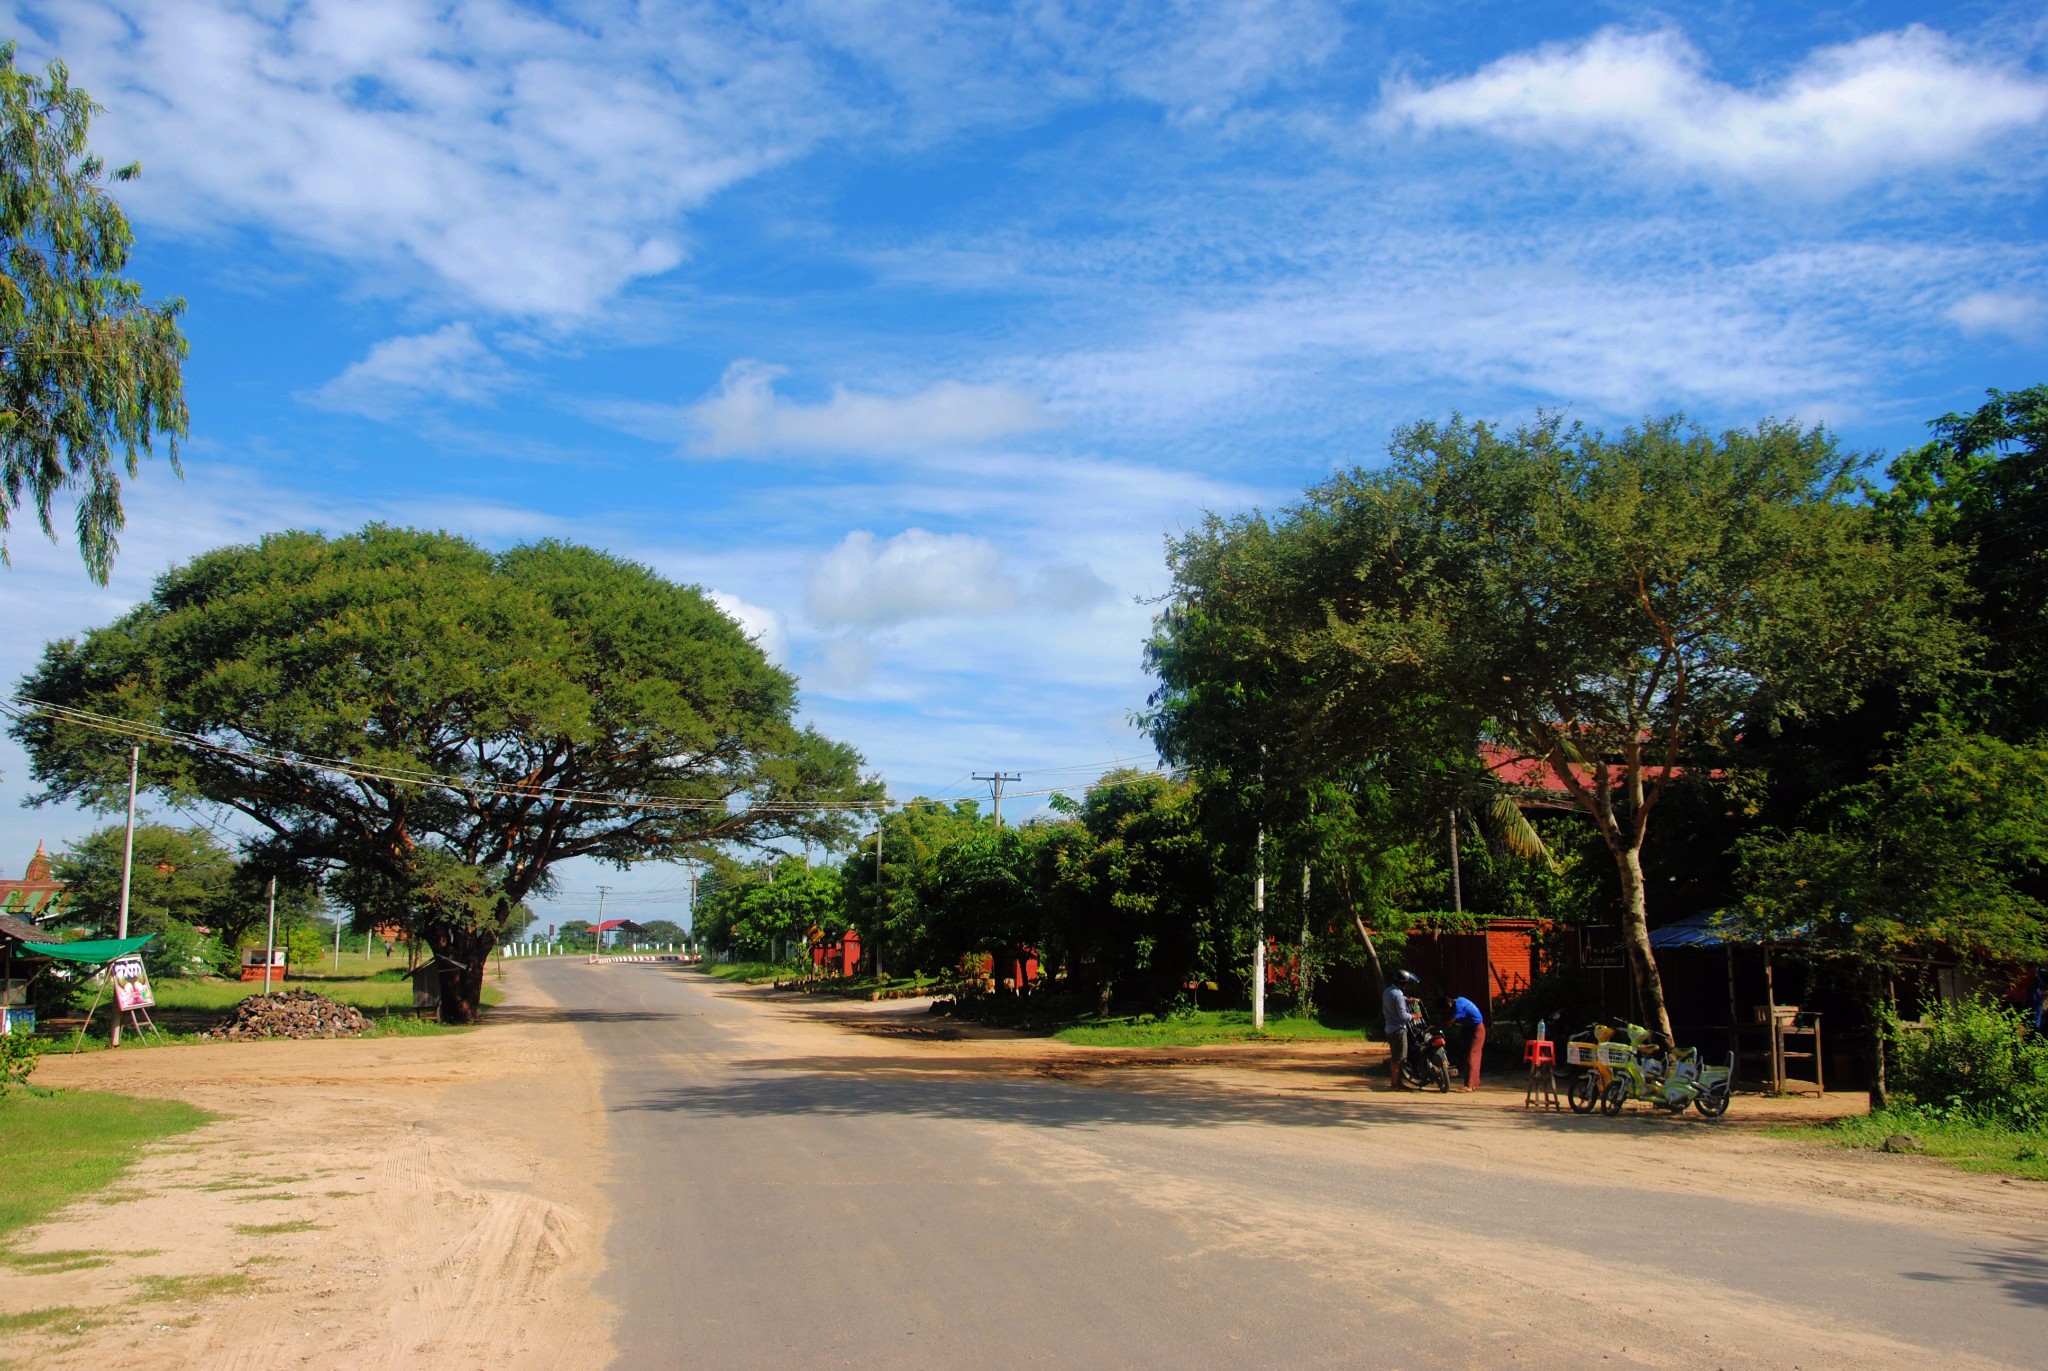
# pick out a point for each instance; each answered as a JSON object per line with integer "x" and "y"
{"x": 1007, "y": 1090}
{"x": 545, "y": 1013}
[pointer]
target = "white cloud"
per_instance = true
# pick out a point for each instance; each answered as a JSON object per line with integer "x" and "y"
{"x": 1883, "y": 104}
{"x": 450, "y": 363}
{"x": 764, "y": 626}
{"x": 867, "y": 582}
{"x": 746, "y": 415}
{"x": 2015, "y": 316}
{"x": 533, "y": 164}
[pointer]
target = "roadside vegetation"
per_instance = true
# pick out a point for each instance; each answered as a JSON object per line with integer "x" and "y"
{"x": 1970, "y": 1085}
{"x": 66, "y": 1145}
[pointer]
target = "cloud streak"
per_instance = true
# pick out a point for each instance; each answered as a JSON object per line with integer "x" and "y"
{"x": 1883, "y": 105}
{"x": 746, "y": 415}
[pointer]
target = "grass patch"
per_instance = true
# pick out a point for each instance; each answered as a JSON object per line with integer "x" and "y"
{"x": 749, "y": 973}
{"x": 267, "y": 1230}
{"x": 1201, "y": 1027}
{"x": 63, "y": 1146}
{"x": 55, "y": 1318}
{"x": 1968, "y": 1146}
{"x": 162, "y": 1289}
{"x": 53, "y": 1263}
{"x": 375, "y": 995}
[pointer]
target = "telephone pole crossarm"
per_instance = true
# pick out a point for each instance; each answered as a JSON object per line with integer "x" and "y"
{"x": 996, "y": 781}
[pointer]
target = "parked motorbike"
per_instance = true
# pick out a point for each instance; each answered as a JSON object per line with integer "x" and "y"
{"x": 1428, "y": 1061}
{"x": 1610, "y": 1063}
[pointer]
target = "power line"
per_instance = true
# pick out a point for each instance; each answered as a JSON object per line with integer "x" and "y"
{"x": 20, "y": 706}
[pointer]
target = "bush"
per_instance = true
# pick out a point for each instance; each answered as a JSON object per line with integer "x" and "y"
{"x": 1974, "y": 1061}
{"x": 18, "y": 1053}
{"x": 179, "y": 949}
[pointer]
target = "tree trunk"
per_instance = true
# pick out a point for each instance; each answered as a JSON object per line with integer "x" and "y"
{"x": 1635, "y": 925}
{"x": 461, "y": 956}
{"x": 1379, "y": 975}
{"x": 1874, "y": 999}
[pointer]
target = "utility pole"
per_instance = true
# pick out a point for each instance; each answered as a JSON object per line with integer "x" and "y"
{"x": 337, "y": 942}
{"x": 1259, "y": 934}
{"x": 270, "y": 942}
{"x": 127, "y": 869}
{"x": 1457, "y": 885}
{"x": 995, "y": 787}
{"x": 881, "y": 898}
{"x": 598, "y": 932}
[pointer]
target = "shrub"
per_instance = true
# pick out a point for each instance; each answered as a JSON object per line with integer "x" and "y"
{"x": 179, "y": 949}
{"x": 18, "y": 1053}
{"x": 1974, "y": 1061}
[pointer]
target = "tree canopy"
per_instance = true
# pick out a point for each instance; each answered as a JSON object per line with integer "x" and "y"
{"x": 434, "y": 728}
{"x": 90, "y": 374}
{"x": 1614, "y": 608}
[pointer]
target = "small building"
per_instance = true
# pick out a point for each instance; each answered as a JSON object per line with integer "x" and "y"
{"x": 38, "y": 897}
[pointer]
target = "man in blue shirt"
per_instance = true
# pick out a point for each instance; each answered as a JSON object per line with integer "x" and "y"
{"x": 1394, "y": 1010}
{"x": 1463, "y": 1014}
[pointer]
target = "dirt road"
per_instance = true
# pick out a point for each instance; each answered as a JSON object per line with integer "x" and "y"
{"x": 803, "y": 1195}
{"x": 409, "y": 1202}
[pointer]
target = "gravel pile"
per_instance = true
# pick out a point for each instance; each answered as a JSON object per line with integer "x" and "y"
{"x": 291, "y": 1014}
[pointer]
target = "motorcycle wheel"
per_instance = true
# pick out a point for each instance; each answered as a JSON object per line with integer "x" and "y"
{"x": 1440, "y": 1068}
{"x": 1615, "y": 1096}
{"x": 1583, "y": 1094}
{"x": 1712, "y": 1104}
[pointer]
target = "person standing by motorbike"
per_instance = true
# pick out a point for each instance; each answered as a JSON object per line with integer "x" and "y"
{"x": 1465, "y": 1016}
{"x": 1394, "y": 1010}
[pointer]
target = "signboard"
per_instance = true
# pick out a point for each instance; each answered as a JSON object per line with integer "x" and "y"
{"x": 131, "y": 985}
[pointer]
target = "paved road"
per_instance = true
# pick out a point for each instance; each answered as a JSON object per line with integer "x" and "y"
{"x": 782, "y": 1199}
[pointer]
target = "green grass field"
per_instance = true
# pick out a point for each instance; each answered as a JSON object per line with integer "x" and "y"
{"x": 1968, "y": 1146}
{"x": 1199, "y": 1028}
{"x": 61, "y": 1145}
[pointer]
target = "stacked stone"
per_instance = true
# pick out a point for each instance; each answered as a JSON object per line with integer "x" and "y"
{"x": 291, "y": 1014}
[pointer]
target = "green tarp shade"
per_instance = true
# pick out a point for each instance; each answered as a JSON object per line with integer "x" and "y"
{"x": 98, "y": 952}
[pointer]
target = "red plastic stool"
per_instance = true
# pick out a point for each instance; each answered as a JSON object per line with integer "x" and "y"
{"x": 1540, "y": 1056}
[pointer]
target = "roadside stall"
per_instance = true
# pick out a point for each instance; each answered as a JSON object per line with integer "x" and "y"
{"x": 113, "y": 961}
{"x": 18, "y": 968}
{"x": 1777, "y": 1045}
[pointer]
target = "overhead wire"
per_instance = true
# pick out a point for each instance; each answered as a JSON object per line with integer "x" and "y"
{"x": 22, "y": 706}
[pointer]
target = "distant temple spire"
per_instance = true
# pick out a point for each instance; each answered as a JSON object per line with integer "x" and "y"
{"x": 38, "y": 865}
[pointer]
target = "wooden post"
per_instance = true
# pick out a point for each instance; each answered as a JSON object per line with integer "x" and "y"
{"x": 1771, "y": 1013}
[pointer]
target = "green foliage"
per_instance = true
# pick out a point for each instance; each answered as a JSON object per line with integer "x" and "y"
{"x": 89, "y": 374}
{"x": 1982, "y": 486}
{"x": 1974, "y": 1062}
{"x": 63, "y": 1145}
{"x": 1618, "y": 608}
{"x": 754, "y": 911}
{"x": 1939, "y": 850}
{"x": 181, "y": 950}
{"x": 18, "y": 1055}
{"x": 180, "y": 875}
{"x": 1990, "y": 1148}
{"x": 412, "y": 653}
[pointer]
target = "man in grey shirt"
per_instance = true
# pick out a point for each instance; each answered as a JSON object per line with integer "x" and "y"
{"x": 1394, "y": 1008}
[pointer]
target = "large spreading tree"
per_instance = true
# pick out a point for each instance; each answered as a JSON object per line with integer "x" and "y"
{"x": 435, "y": 728}
{"x": 1617, "y": 609}
{"x": 90, "y": 373}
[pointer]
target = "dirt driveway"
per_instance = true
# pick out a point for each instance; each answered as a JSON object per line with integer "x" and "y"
{"x": 406, "y": 1202}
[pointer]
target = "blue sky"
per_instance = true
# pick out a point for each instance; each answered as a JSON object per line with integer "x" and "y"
{"x": 910, "y": 330}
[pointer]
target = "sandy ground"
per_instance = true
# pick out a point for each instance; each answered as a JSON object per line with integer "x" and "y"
{"x": 431, "y": 1203}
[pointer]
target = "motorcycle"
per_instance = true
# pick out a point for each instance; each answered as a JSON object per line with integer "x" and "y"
{"x": 1613, "y": 1062}
{"x": 1428, "y": 1061}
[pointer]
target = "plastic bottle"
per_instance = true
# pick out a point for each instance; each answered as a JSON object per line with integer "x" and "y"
{"x": 1541, "y": 1024}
